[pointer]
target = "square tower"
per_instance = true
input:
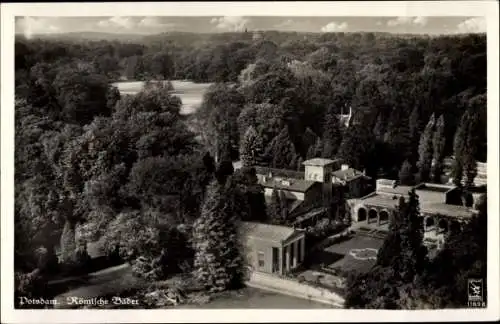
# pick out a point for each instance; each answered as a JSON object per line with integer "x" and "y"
{"x": 319, "y": 170}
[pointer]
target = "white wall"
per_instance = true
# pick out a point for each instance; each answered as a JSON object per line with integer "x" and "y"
{"x": 314, "y": 173}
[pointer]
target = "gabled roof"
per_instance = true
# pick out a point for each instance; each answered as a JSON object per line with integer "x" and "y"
{"x": 279, "y": 172}
{"x": 348, "y": 174}
{"x": 267, "y": 232}
{"x": 296, "y": 185}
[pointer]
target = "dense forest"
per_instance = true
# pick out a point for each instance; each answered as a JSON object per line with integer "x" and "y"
{"x": 132, "y": 172}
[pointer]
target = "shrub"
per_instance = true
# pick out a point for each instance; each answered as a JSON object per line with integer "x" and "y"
{"x": 154, "y": 249}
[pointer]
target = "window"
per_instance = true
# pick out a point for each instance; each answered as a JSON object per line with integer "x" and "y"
{"x": 260, "y": 259}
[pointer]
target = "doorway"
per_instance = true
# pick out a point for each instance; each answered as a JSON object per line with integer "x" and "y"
{"x": 276, "y": 260}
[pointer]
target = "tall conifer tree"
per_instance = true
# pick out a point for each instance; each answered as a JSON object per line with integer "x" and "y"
{"x": 281, "y": 151}
{"x": 332, "y": 135}
{"x": 425, "y": 150}
{"x": 218, "y": 262}
{"x": 438, "y": 144}
{"x": 250, "y": 148}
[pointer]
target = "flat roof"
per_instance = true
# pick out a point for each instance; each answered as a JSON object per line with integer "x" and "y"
{"x": 446, "y": 210}
{"x": 268, "y": 232}
{"x": 398, "y": 190}
{"x": 385, "y": 201}
{"x": 426, "y": 207}
{"x": 298, "y": 185}
{"x": 434, "y": 187}
{"x": 319, "y": 162}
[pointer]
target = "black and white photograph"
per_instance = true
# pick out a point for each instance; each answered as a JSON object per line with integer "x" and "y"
{"x": 247, "y": 161}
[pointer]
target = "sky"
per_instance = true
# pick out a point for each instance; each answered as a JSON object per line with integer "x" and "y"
{"x": 158, "y": 24}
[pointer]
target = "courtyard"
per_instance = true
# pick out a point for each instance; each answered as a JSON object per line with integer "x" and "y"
{"x": 357, "y": 253}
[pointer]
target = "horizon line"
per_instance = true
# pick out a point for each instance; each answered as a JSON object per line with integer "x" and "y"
{"x": 22, "y": 33}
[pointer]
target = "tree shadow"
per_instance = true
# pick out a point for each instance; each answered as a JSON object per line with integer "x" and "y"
{"x": 326, "y": 257}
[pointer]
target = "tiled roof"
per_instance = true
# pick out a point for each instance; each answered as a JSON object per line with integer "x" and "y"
{"x": 297, "y": 185}
{"x": 268, "y": 232}
{"x": 279, "y": 172}
{"x": 347, "y": 174}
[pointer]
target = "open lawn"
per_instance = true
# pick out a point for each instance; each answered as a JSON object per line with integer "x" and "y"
{"x": 357, "y": 253}
{"x": 190, "y": 93}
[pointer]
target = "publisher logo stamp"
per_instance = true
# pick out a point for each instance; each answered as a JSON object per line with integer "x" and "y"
{"x": 475, "y": 293}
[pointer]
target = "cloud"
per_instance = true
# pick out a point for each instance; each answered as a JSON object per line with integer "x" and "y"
{"x": 407, "y": 21}
{"x": 422, "y": 21}
{"x": 31, "y": 25}
{"x": 284, "y": 24}
{"x": 154, "y": 22}
{"x": 230, "y": 23}
{"x": 117, "y": 21}
{"x": 334, "y": 27}
{"x": 472, "y": 25}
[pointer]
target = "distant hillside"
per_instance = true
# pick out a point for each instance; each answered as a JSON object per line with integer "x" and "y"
{"x": 96, "y": 36}
{"x": 188, "y": 38}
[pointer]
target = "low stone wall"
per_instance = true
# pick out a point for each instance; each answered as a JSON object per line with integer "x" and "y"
{"x": 293, "y": 288}
{"x": 332, "y": 239}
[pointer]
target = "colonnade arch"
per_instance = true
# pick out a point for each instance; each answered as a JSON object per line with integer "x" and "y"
{"x": 362, "y": 214}
{"x": 372, "y": 215}
{"x": 381, "y": 216}
{"x": 443, "y": 225}
{"x": 384, "y": 216}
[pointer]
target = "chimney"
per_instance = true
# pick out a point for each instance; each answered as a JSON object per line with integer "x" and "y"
{"x": 344, "y": 167}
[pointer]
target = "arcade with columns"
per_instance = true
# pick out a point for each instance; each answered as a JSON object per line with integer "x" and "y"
{"x": 379, "y": 216}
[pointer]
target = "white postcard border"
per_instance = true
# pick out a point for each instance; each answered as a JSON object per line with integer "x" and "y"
{"x": 488, "y": 9}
